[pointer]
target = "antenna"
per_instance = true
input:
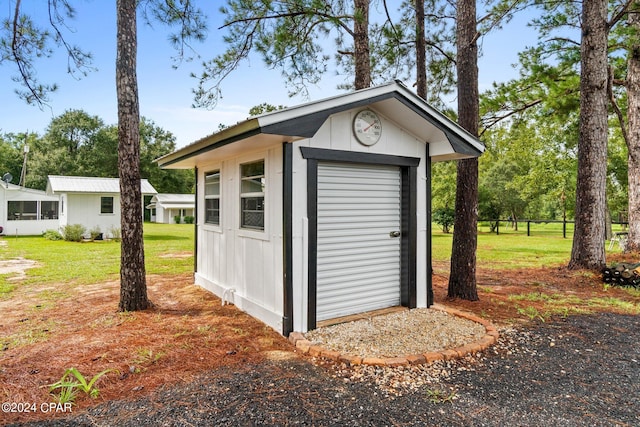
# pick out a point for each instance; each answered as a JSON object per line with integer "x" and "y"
{"x": 7, "y": 177}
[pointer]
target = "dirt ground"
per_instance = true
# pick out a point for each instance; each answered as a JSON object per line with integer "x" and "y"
{"x": 48, "y": 329}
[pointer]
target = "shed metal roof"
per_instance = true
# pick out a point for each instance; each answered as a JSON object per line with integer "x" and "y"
{"x": 446, "y": 138}
{"x": 173, "y": 201}
{"x": 174, "y": 198}
{"x": 86, "y": 184}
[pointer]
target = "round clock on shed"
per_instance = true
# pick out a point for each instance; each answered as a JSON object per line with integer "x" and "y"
{"x": 367, "y": 127}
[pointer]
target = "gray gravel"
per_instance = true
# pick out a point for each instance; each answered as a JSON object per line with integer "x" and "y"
{"x": 579, "y": 371}
{"x": 406, "y": 332}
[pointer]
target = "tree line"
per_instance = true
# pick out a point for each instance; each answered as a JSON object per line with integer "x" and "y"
{"x": 76, "y": 143}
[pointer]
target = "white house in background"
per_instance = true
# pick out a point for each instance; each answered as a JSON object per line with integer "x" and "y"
{"x": 321, "y": 210}
{"x": 92, "y": 202}
{"x": 25, "y": 212}
{"x": 166, "y": 207}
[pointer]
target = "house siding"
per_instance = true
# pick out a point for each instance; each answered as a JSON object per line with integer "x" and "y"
{"x": 85, "y": 209}
{"x": 24, "y": 227}
{"x": 244, "y": 266}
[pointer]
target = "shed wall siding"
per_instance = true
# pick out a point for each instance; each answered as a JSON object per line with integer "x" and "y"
{"x": 246, "y": 261}
{"x": 336, "y": 134}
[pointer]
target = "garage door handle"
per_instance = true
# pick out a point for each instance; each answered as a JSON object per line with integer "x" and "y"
{"x": 394, "y": 234}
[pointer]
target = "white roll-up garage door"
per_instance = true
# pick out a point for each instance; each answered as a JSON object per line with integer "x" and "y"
{"x": 358, "y": 264}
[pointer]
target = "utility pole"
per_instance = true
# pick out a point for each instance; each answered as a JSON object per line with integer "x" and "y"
{"x": 23, "y": 173}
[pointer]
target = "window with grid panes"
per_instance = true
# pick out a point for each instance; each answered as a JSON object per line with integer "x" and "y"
{"x": 212, "y": 198}
{"x": 106, "y": 205}
{"x": 252, "y": 183}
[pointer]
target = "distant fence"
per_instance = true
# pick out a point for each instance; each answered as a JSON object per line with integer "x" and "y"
{"x": 536, "y": 221}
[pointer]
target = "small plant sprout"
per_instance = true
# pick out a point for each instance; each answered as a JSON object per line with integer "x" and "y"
{"x": 73, "y": 381}
{"x": 440, "y": 396}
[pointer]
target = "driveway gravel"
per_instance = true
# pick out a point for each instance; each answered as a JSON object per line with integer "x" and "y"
{"x": 578, "y": 371}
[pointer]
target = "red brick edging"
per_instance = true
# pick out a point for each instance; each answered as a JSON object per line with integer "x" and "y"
{"x": 490, "y": 337}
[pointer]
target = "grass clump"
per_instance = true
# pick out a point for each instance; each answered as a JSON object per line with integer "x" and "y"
{"x": 5, "y": 287}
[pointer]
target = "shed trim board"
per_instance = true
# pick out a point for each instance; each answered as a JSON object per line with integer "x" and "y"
{"x": 429, "y": 231}
{"x": 287, "y": 238}
{"x": 195, "y": 224}
{"x": 408, "y": 223}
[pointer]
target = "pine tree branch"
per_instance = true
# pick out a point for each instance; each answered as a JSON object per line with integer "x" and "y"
{"x": 495, "y": 119}
{"x": 618, "y": 111}
{"x": 34, "y": 95}
{"x": 328, "y": 17}
{"x": 622, "y": 10}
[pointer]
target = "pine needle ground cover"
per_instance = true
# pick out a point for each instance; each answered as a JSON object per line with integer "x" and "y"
{"x": 62, "y": 312}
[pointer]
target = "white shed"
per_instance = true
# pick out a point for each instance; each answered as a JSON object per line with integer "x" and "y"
{"x": 321, "y": 210}
{"x": 26, "y": 212}
{"x": 92, "y": 202}
{"x": 165, "y": 208}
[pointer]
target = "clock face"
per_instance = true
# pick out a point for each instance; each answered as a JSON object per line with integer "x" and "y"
{"x": 367, "y": 127}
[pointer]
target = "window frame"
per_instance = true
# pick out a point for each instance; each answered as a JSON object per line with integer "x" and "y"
{"x": 243, "y": 196}
{"x": 102, "y": 206}
{"x": 20, "y": 213}
{"x": 217, "y": 197}
{"x": 55, "y": 205}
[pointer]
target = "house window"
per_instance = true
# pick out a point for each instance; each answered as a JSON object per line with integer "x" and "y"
{"x": 21, "y": 210}
{"x": 252, "y": 183}
{"x": 212, "y": 198}
{"x": 106, "y": 205}
{"x": 48, "y": 210}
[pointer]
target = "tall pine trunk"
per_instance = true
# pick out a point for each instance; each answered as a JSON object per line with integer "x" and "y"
{"x": 361, "y": 45}
{"x": 588, "y": 240}
{"x": 421, "y": 54}
{"x": 133, "y": 286}
{"x": 633, "y": 113}
{"x": 462, "y": 278}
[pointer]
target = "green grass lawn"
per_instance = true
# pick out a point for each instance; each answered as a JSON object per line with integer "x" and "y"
{"x": 89, "y": 262}
{"x": 509, "y": 250}
{"x": 168, "y": 248}
{"x": 545, "y": 245}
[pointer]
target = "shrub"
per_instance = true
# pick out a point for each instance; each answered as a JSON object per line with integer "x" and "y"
{"x": 95, "y": 233}
{"x": 52, "y": 235}
{"x": 73, "y": 232}
{"x": 444, "y": 218}
{"x": 188, "y": 219}
{"x": 176, "y": 219}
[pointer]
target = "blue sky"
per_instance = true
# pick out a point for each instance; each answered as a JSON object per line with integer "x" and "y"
{"x": 165, "y": 93}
